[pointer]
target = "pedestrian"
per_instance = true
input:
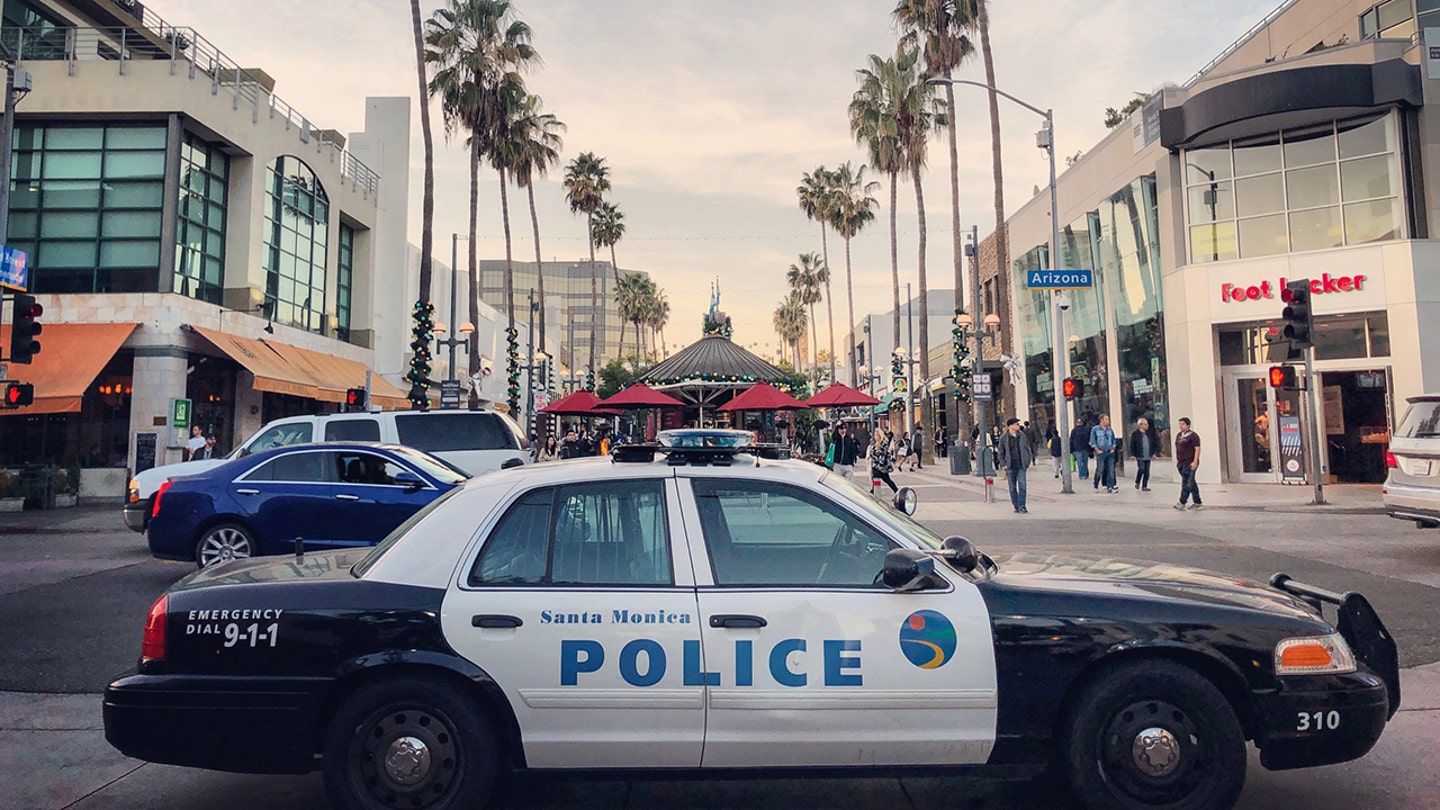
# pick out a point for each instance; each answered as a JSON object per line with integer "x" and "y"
{"x": 206, "y": 451}
{"x": 1080, "y": 448}
{"x": 550, "y": 451}
{"x": 917, "y": 443}
{"x": 570, "y": 448}
{"x": 1143, "y": 445}
{"x": 862, "y": 438}
{"x": 195, "y": 444}
{"x": 1055, "y": 449}
{"x": 846, "y": 451}
{"x": 942, "y": 443}
{"x": 881, "y": 461}
{"x": 1016, "y": 456}
{"x": 1102, "y": 441}
{"x": 902, "y": 452}
{"x": 1187, "y": 461}
{"x": 1028, "y": 434}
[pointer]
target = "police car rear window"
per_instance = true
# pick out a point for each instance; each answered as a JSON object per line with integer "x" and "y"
{"x": 462, "y": 431}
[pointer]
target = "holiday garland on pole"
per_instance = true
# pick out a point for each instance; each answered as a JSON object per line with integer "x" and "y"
{"x": 512, "y": 371}
{"x": 961, "y": 369}
{"x": 423, "y": 333}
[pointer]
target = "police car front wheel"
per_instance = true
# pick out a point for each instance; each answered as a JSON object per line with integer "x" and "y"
{"x": 409, "y": 743}
{"x": 1151, "y": 735}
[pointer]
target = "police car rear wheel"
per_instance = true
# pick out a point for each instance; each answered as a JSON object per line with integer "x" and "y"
{"x": 409, "y": 744}
{"x": 1154, "y": 735}
{"x": 223, "y": 543}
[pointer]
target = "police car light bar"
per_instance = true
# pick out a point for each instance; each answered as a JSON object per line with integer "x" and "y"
{"x": 699, "y": 447}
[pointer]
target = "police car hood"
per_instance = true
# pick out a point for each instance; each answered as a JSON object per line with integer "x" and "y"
{"x": 285, "y": 568}
{"x": 1118, "y": 577}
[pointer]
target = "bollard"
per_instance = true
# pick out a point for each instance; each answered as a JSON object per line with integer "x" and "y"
{"x": 989, "y": 490}
{"x": 299, "y": 548}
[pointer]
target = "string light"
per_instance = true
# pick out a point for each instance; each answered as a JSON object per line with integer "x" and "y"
{"x": 960, "y": 372}
{"x": 512, "y": 369}
{"x": 422, "y": 333}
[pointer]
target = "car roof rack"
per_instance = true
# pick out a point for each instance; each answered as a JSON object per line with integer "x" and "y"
{"x": 699, "y": 447}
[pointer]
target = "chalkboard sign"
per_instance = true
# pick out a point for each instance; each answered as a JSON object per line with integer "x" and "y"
{"x": 144, "y": 451}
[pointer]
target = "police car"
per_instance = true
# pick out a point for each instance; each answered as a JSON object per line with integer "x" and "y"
{"x": 704, "y": 608}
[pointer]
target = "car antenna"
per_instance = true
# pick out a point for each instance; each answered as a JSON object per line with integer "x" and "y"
{"x": 299, "y": 548}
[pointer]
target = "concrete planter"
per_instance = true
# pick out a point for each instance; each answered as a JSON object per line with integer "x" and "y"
{"x": 64, "y": 501}
{"x": 12, "y": 504}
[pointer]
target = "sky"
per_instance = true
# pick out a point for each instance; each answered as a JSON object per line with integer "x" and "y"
{"x": 708, "y": 115}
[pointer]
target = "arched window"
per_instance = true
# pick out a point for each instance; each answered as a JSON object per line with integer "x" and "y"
{"x": 296, "y": 237}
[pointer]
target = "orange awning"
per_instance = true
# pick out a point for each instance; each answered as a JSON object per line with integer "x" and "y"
{"x": 285, "y": 369}
{"x": 272, "y": 371}
{"x": 71, "y": 356}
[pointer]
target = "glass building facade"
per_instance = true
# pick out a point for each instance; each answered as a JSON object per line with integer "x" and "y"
{"x": 86, "y": 205}
{"x": 297, "y": 217}
{"x": 200, "y": 231}
{"x": 1129, "y": 259}
{"x": 344, "y": 281}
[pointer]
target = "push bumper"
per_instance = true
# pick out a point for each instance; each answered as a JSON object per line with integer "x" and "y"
{"x": 1321, "y": 720}
{"x": 136, "y": 515}
{"x": 254, "y": 725}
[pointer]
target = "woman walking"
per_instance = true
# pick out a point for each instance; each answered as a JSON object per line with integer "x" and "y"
{"x": 1054, "y": 444}
{"x": 1143, "y": 444}
{"x": 881, "y": 459}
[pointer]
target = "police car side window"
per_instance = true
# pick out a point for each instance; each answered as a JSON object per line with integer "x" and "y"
{"x": 764, "y": 533}
{"x": 596, "y": 534}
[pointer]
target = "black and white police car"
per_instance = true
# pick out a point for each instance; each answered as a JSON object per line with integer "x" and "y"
{"x": 710, "y": 609}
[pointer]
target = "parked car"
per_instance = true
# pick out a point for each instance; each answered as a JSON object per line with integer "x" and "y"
{"x": 331, "y": 495}
{"x": 716, "y": 611}
{"x": 1412, "y": 488}
{"x": 474, "y": 441}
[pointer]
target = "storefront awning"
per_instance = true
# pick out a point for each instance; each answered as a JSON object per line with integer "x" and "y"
{"x": 71, "y": 356}
{"x": 285, "y": 369}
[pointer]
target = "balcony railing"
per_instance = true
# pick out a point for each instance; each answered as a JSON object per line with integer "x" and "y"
{"x": 198, "y": 58}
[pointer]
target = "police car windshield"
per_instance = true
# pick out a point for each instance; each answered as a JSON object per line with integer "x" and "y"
{"x": 891, "y": 517}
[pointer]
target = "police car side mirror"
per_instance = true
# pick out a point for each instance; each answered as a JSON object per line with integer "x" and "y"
{"x": 909, "y": 570}
{"x": 961, "y": 554}
{"x": 906, "y": 500}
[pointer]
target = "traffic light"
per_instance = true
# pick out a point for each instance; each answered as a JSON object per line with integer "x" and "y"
{"x": 355, "y": 399}
{"x": 1299, "y": 320}
{"x": 1283, "y": 378}
{"x": 18, "y": 395}
{"x": 544, "y": 383}
{"x": 24, "y": 329}
{"x": 1073, "y": 388}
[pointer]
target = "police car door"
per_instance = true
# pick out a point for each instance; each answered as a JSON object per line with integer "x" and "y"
{"x": 807, "y": 661}
{"x": 583, "y": 611}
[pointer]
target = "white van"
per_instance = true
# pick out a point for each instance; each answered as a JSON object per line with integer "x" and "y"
{"x": 473, "y": 441}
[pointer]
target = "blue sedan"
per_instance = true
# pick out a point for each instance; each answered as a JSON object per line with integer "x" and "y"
{"x": 332, "y": 495}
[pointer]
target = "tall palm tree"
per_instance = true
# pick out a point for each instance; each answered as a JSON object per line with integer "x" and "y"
{"x": 807, "y": 278}
{"x": 790, "y": 320}
{"x": 538, "y": 144}
{"x": 1002, "y": 243}
{"x": 818, "y": 200}
{"x": 939, "y": 28}
{"x": 659, "y": 317}
{"x": 587, "y": 178}
{"x": 607, "y": 229}
{"x": 854, "y": 209}
{"x": 630, "y": 296}
{"x": 420, "y": 365}
{"x": 875, "y": 124}
{"x": 504, "y": 152}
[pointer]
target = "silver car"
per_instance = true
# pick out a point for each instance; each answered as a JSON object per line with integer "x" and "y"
{"x": 1412, "y": 489}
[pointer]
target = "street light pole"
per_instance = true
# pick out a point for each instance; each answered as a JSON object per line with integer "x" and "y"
{"x": 1045, "y": 140}
{"x": 454, "y": 259}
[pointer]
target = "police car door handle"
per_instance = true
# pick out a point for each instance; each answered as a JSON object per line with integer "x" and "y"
{"x": 344, "y": 497}
{"x": 737, "y": 620}
{"x": 495, "y": 620}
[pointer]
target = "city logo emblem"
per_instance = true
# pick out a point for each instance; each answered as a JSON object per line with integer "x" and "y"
{"x": 928, "y": 639}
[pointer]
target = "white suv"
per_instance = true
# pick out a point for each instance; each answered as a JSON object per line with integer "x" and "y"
{"x": 1412, "y": 489}
{"x": 472, "y": 441}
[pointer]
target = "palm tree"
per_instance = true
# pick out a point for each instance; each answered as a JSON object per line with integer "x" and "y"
{"x": 587, "y": 178}
{"x": 981, "y": 17}
{"x": 506, "y": 145}
{"x": 854, "y": 209}
{"x": 538, "y": 144}
{"x": 807, "y": 278}
{"x": 874, "y": 122}
{"x": 818, "y": 200}
{"x": 607, "y": 229}
{"x": 660, "y": 316}
{"x": 420, "y": 365}
{"x": 631, "y": 295}
{"x": 940, "y": 30}
{"x": 790, "y": 320}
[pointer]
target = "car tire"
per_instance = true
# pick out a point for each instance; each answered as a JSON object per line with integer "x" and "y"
{"x": 223, "y": 542}
{"x": 413, "y": 743}
{"x": 1154, "y": 735}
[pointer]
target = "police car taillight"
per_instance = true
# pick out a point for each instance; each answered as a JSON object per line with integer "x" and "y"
{"x": 159, "y": 493}
{"x": 152, "y": 646}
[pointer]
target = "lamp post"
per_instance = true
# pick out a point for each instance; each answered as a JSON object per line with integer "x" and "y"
{"x": 463, "y": 340}
{"x": 870, "y": 376}
{"x": 1045, "y": 139}
{"x": 991, "y": 332}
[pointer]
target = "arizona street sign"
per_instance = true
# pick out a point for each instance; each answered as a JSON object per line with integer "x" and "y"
{"x": 1059, "y": 279}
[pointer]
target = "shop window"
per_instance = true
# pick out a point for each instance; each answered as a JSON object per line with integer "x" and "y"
{"x": 296, "y": 238}
{"x": 344, "y": 281}
{"x": 200, "y": 226}
{"x": 1337, "y": 337}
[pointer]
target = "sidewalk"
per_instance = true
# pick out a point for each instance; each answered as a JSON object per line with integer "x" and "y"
{"x": 95, "y": 517}
{"x": 1340, "y": 499}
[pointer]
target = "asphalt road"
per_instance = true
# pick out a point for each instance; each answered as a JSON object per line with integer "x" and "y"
{"x": 73, "y": 599}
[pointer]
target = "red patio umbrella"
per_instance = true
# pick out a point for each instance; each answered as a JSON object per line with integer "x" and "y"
{"x": 838, "y": 395}
{"x": 580, "y": 403}
{"x": 764, "y": 397}
{"x": 640, "y": 396}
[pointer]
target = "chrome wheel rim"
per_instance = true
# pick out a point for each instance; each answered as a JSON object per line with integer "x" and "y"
{"x": 224, "y": 544}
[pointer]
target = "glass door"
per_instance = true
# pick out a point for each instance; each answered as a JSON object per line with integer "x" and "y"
{"x": 1249, "y": 428}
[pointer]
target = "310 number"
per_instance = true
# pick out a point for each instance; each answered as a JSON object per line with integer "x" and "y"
{"x": 1317, "y": 721}
{"x": 235, "y": 635}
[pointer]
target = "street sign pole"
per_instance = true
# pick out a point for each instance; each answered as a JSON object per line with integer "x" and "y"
{"x": 1312, "y": 402}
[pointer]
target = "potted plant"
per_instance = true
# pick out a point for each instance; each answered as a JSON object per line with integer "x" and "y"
{"x": 11, "y": 498}
{"x": 63, "y": 484}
